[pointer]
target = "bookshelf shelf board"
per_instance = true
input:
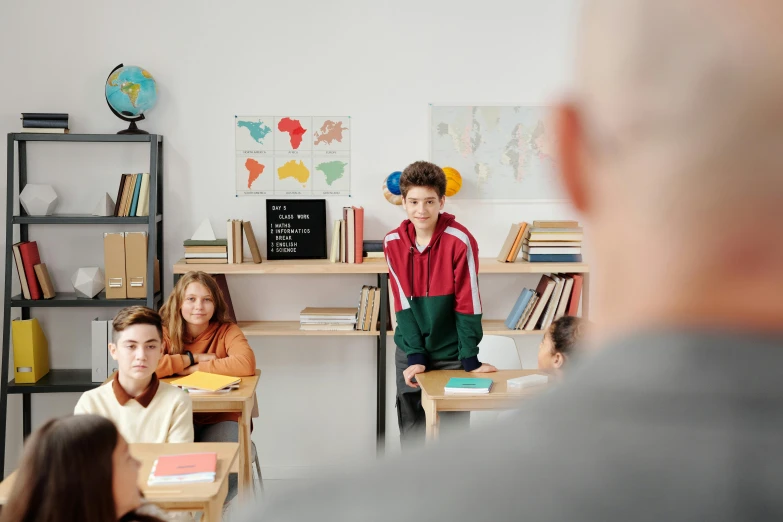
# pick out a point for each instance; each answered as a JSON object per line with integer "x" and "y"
{"x": 57, "y": 381}
{"x": 69, "y": 299}
{"x": 82, "y": 219}
{"x": 291, "y": 328}
{"x": 323, "y": 266}
{"x": 87, "y": 138}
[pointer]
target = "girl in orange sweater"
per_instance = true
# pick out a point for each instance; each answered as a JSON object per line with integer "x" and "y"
{"x": 198, "y": 335}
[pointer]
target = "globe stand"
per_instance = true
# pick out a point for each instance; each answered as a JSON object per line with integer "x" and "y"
{"x": 133, "y": 129}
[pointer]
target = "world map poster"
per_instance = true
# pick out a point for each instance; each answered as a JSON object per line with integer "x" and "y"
{"x": 293, "y": 155}
{"x": 504, "y": 152}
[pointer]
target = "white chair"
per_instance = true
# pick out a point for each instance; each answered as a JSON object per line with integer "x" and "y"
{"x": 501, "y": 352}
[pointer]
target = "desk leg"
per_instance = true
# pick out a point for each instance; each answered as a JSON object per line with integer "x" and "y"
{"x": 214, "y": 509}
{"x": 431, "y": 414}
{"x": 245, "y": 478}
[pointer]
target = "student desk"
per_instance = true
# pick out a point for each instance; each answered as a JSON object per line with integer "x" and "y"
{"x": 434, "y": 398}
{"x": 205, "y": 497}
{"x": 240, "y": 401}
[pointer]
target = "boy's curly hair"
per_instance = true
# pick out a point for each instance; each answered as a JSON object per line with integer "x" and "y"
{"x": 423, "y": 174}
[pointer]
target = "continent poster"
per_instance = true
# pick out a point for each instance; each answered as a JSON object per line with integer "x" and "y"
{"x": 502, "y": 152}
{"x": 293, "y": 155}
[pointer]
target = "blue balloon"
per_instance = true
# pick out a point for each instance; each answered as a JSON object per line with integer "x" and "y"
{"x": 393, "y": 183}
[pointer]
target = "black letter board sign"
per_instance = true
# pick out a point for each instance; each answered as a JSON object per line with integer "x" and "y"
{"x": 297, "y": 228}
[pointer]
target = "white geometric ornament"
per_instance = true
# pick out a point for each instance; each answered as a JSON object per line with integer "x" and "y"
{"x": 38, "y": 200}
{"x": 88, "y": 281}
{"x": 204, "y": 232}
{"x": 105, "y": 206}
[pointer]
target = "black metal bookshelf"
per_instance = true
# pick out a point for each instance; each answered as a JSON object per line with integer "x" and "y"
{"x": 68, "y": 380}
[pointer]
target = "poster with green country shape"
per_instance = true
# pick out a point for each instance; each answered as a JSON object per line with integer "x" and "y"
{"x": 293, "y": 155}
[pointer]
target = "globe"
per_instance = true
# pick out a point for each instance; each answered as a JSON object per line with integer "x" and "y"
{"x": 391, "y": 188}
{"x": 131, "y": 91}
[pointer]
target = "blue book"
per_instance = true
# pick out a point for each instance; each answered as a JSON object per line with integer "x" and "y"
{"x": 468, "y": 385}
{"x": 555, "y": 258}
{"x": 136, "y": 190}
{"x": 519, "y": 307}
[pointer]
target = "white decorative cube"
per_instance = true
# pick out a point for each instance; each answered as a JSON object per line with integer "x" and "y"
{"x": 105, "y": 206}
{"x": 88, "y": 281}
{"x": 38, "y": 200}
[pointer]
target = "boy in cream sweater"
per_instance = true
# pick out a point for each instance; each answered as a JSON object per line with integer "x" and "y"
{"x": 143, "y": 408}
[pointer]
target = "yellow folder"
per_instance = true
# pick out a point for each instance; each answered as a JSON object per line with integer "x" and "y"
{"x": 31, "y": 351}
{"x": 206, "y": 381}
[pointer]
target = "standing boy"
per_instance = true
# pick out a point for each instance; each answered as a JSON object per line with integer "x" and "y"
{"x": 143, "y": 408}
{"x": 433, "y": 264}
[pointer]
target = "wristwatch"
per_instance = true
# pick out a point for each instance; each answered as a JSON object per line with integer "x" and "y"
{"x": 192, "y": 360}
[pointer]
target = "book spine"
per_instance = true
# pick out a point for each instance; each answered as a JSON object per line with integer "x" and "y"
{"x": 555, "y": 258}
{"x": 44, "y": 116}
{"x": 30, "y": 258}
{"x": 44, "y": 124}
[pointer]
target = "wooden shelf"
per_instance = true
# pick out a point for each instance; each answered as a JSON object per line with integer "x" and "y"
{"x": 291, "y": 328}
{"x": 323, "y": 266}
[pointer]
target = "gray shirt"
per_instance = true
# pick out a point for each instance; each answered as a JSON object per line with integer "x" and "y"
{"x": 659, "y": 426}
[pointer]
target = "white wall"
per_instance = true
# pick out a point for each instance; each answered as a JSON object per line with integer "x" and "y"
{"x": 379, "y": 62}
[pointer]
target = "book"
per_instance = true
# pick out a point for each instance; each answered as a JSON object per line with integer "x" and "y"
{"x": 374, "y": 255}
{"x": 251, "y": 241}
{"x": 376, "y": 310}
{"x": 368, "y": 309}
{"x": 519, "y": 308}
{"x": 29, "y": 123}
{"x": 523, "y": 232}
{"x": 328, "y": 314}
{"x": 45, "y": 131}
{"x": 186, "y": 468}
{"x": 42, "y": 274}
{"x": 30, "y": 258}
{"x": 467, "y": 386}
{"x": 556, "y": 224}
{"x": 544, "y": 291}
{"x": 553, "y": 258}
{"x": 144, "y": 196}
{"x": 44, "y": 116}
{"x": 135, "y": 198}
{"x": 531, "y": 305}
{"x": 554, "y": 244}
{"x": 127, "y": 189}
{"x": 505, "y": 250}
{"x": 350, "y": 256}
{"x": 562, "y": 306}
{"x": 20, "y": 270}
{"x": 552, "y": 250}
{"x": 206, "y": 381}
{"x": 343, "y": 240}
{"x": 238, "y": 244}
{"x": 576, "y": 294}
{"x": 554, "y": 300}
{"x": 358, "y": 233}
{"x": 334, "y": 252}
{"x": 206, "y": 261}
{"x": 118, "y": 199}
{"x": 205, "y": 242}
{"x": 206, "y": 250}
{"x": 327, "y": 327}
{"x": 372, "y": 245}
{"x": 230, "y": 240}
{"x": 206, "y": 255}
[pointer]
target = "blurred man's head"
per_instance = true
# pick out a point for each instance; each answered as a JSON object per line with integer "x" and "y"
{"x": 672, "y": 147}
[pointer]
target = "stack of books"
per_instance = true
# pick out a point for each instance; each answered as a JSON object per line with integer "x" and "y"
{"x": 348, "y": 237}
{"x": 369, "y": 309}
{"x": 556, "y": 295}
{"x": 48, "y": 122}
{"x": 203, "y": 382}
{"x": 543, "y": 242}
{"x": 236, "y": 230}
{"x": 553, "y": 242}
{"x": 33, "y": 275}
{"x": 467, "y": 386}
{"x": 373, "y": 249}
{"x": 133, "y": 196}
{"x": 188, "y": 468}
{"x": 205, "y": 251}
{"x": 327, "y": 319}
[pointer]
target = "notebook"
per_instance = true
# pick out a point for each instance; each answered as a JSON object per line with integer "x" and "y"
{"x": 467, "y": 386}
{"x": 206, "y": 381}
{"x": 187, "y": 468}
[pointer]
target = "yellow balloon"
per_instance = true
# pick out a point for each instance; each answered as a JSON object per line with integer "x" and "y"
{"x": 453, "y": 181}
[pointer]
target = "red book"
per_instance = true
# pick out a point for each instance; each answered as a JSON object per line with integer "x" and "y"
{"x": 358, "y": 220}
{"x": 30, "y": 258}
{"x": 186, "y": 464}
{"x": 576, "y": 294}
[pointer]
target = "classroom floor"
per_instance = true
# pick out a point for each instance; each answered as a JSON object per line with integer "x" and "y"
{"x": 273, "y": 489}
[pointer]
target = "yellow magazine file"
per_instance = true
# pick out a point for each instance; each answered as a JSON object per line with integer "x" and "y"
{"x": 31, "y": 351}
{"x": 206, "y": 381}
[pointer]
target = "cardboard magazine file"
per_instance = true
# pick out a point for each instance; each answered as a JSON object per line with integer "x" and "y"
{"x": 114, "y": 265}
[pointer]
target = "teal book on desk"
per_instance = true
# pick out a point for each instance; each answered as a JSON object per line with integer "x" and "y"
{"x": 467, "y": 386}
